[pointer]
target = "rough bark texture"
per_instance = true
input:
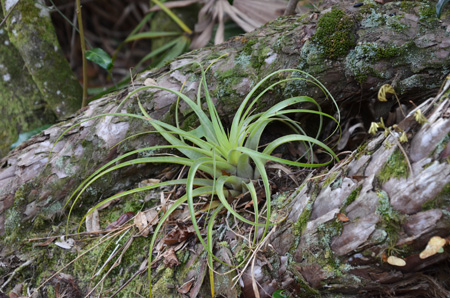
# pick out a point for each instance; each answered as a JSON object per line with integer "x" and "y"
{"x": 311, "y": 250}
{"x": 37, "y": 84}
{"x": 21, "y": 104}
{"x": 392, "y": 210}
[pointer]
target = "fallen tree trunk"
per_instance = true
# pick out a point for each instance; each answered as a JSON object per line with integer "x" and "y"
{"x": 370, "y": 48}
{"x": 354, "y": 223}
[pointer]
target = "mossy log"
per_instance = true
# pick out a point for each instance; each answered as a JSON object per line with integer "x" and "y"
{"x": 353, "y": 51}
{"x": 22, "y": 106}
{"x": 37, "y": 85}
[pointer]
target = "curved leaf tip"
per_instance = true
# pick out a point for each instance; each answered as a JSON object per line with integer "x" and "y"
{"x": 440, "y": 6}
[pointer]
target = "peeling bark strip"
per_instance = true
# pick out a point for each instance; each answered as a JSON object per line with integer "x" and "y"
{"x": 394, "y": 43}
{"x": 395, "y": 217}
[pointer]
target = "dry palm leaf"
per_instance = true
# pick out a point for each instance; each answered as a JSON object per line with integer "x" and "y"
{"x": 261, "y": 11}
{"x": 247, "y": 14}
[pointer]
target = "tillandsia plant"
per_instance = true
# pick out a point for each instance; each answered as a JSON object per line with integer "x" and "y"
{"x": 230, "y": 159}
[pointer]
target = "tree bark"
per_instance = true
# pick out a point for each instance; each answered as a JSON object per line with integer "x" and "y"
{"x": 21, "y": 104}
{"x": 311, "y": 250}
{"x": 37, "y": 85}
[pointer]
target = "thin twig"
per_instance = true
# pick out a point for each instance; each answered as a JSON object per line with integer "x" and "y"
{"x": 252, "y": 274}
{"x": 83, "y": 57}
{"x": 257, "y": 249}
{"x": 406, "y": 157}
{"x": 16, "y": 271}
{"x": 67, "y": 265}
{"x": 82, "y": 233}
{"x": 9, "y": 12}
{"x": 124, "y": 248}
{"x": 128, "y": 281}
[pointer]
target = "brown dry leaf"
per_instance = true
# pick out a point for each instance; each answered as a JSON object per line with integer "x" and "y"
{"x": 358, "y": 178}
{"x": 152, "y": 216}
{"x": 93, "y": 222}
{"x": 170, "y": 259}
{"x": 159, "y": 247}
{"x": 46, "y": 243}
{"x": 178, "y": 235}
{"x": 249, "y": 204}
{"x": 433, "y": 247}
{"x": 186, "y": 287}
{"x": 150, "y": 82}
{"x": 163, "y": 201}
{"x": 16, "y": 291}
{"x": 395, "y": 261}
{"x": 140, "y": 220}
{"x": 213, "y": 205}
{"x": 143, "y": 266}
{"x": 120, "y": 221}
{"x": 190, "y": 229}
{"x": 286, "y": 170}
{"x": 149, "y": 182}
{"x": 342, "y": 217}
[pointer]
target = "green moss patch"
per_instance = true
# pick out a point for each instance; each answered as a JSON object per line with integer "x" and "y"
{"x": 352, "y": 197}
{"x": 442, "y": 199}
{"x": 335, "y": 34}
{"x": 303, "y": 219}
{"x": 395, "y": 167}
{"x": 391, "y": 222}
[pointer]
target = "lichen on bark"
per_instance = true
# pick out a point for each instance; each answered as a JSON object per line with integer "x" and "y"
{"x": 22, "y": 106}
{"x": 32, "y": 33}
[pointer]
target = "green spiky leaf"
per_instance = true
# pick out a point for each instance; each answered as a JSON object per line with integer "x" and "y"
{"x": 232, "y": 159}
{"x": 150, "y": 35}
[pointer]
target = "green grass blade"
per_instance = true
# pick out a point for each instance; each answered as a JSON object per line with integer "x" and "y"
{"x": 178, "y": 49}
{"x": 149, "y": 35}
{"x": 197, "y": 192}
{"x": 209, "y": 235}
{"x": 241, "y": 115}
{"x": 204, "y": 120}
{"x": 167, "y": 131}
{"x": 176, "y": 19}
{"x": 215, "y": 119}
{"x": 292, "y": 138}
{"x": 101, "y": 171}
{"x": 266, "y": 157}
{"x": 165, "y": 159}
{"x": 260, "y": 166}
{"x": 198, "y": 182}
{"x": 440, "y": 6}
{"x": 251, "y": 188}
{"x": 220, "y": 193}
{"x": 190, "y": 195}
{"x": 158, "y": 51}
